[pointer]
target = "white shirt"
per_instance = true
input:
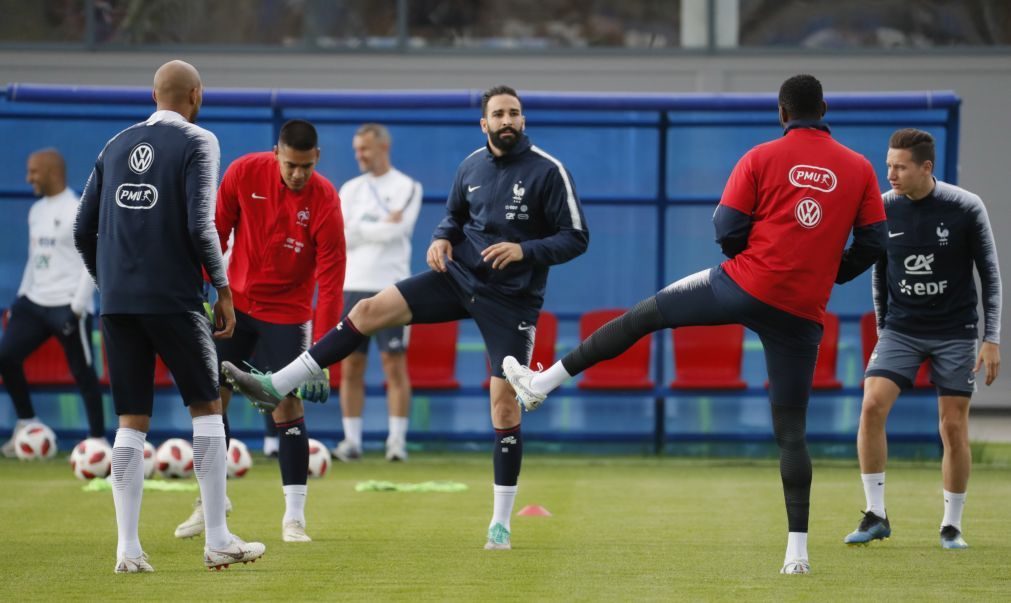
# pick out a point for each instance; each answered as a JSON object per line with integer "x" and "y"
{"x": 378, "y": 252}
{"x": 55, "y": 274}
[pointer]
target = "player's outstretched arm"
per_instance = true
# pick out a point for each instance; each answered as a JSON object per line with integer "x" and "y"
{"x": 868, "y": 245}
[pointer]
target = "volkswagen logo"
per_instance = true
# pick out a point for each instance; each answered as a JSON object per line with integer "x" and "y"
{"x": 808, "y": 212}
{"x": 141, "y": 158}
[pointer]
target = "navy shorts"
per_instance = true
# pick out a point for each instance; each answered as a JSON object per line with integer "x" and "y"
{"x": 506, "y": 325}
{"x": 391, "y": 341}
{"x": 710, "y": 297}
{"x": 183, "y": 341}
{"x": 267, "y": 346}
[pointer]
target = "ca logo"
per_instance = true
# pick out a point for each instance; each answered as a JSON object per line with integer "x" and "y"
{"x": 141, "y": 158}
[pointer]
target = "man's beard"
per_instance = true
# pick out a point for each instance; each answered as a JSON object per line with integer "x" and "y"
{"x": 505, "y": 144}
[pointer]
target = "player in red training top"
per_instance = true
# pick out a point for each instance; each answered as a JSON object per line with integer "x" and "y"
{"x": 783, "y": 221}
{"x": 288, "y": 236}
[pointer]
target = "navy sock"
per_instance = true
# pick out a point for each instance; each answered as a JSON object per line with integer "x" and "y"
{"x": 508, "y": 456}
{"x": 789, "y": 424}
{"x": 337, "y": 344}
{"x": 293, "y": 452}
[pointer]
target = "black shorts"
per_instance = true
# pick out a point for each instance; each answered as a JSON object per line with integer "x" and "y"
{"x": 506, "y": 326}
{"x": 391, "y": 341}
{"x": 267, "y": 346}
{"x": 183, "y": 341}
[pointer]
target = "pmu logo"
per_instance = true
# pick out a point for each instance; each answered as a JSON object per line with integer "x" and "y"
{"x": 812, "y": 176}
{"x": 141, "y": 158}
{"x": 136, "y": 196}
{"x": 808, "y": 212}
{"x": 919, "y": 264}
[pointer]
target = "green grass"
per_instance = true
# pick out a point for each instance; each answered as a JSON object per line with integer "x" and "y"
{"x": 623, "y": 529}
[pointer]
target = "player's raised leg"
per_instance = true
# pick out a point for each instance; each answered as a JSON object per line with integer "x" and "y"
{"x": 386, "y": 309}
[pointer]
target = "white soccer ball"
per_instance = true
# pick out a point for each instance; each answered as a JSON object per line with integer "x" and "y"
{"x": 91, "y": 459}
{"x": 175, "y": 458}
{"x": 239, "y": 459}
{"x": 35, "y": 441}
{"x": 319, "y": 458}
{"x": 149, "y": 464}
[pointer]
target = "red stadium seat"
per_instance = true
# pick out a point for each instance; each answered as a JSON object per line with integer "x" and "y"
{"x": 47, "y": 365}
{"x": 708, "y": 357}
{"x": 544, "y": 343}
{"x": 869, "y": 338}
{"x": 335, "y": 376}
{"x": 431, "y": 356}
{"x": 828, "y": 353}
{"x": 628, "y": 371}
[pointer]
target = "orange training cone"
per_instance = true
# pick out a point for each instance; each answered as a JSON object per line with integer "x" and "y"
{"x": 535, "y": 510}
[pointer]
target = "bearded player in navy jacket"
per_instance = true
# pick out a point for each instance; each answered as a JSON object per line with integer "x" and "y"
{"x": 511, "y": 214}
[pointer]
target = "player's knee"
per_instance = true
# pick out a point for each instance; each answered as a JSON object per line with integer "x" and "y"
{"x": 954, "y": 429}
{"x": 874, "y": 411}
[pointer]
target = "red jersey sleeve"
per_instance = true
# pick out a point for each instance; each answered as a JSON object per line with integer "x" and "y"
{"x": 226, "y": 214}
{"x": 872, "y": 208}
{"x": 330, "y": 263}
{"x": 741, "y": 192}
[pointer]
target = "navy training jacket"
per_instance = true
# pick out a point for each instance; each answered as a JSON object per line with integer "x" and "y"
{"x": 145, "y": 225}
{"x": 526, "y": 197}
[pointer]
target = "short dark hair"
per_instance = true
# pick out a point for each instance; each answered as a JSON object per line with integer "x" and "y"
{"x": 496, "y": 91}
{"x": 298, "y": 134}
{"x": 802, "y": 97}
{"x": 919, "y": 143}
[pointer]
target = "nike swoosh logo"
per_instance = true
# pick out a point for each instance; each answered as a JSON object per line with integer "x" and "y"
{"x": 892, "y": 235}
{"x": 471, "y": 189}
{"x": 525, "y": 327}
{"x": 971, "y": 381}
{"x": 255, "y": 196}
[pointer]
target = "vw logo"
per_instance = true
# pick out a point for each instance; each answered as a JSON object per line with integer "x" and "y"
{"x": 808, "y": 212}
{"x": 141, "y": 158}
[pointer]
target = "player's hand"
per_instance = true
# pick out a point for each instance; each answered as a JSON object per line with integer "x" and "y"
{"x": 224, "y": 314}
{"x": 316, "y": 389}
{"x": 989, "y": 355}
{"x": 439, "y": 252}
{"x": 395, "y": 217}
{"x": 502, "y": 254}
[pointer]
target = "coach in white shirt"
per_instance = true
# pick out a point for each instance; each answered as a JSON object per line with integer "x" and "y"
{"x": 56, "y": 297}
{"x": 380, "y": 208}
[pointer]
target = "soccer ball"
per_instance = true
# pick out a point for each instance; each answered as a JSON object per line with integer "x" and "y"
{"x": 175, "y": 458}
{"x": 35, "y": 441}
{"x": 239, "y": 459}
{"x": 91, "y": 459}
{"x": 319, "y": 458}
{"x": 149, "y": 464}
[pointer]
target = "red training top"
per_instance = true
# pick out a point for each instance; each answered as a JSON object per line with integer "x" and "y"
{"x": 285, "y": 241}
{"x": 804, "y": 193}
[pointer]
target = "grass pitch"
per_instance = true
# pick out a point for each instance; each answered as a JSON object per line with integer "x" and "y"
{"x": 622, "y": 529}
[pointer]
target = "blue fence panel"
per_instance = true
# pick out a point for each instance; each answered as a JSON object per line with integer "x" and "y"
{"x": 649, "y": 168}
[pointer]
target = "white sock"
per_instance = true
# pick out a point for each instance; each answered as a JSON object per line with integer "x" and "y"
{"x": 294, "y": 502}
{"x": 128, "y": 488}
{"x": 953, "y": 505}
{"x": 874, "y": 492}
{"x": 547, "y": 380}
{"x": 505, "y": 496}
{"x": 353, "y": 430}
{"x": 295, "y": 374}
{"x": 210, "y": 466}
{"x": 796, "y": 547}
{"x": 398, "y": 428}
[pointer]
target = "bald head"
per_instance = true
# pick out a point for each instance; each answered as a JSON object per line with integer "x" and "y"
{"x": 177, "y": 87}
{"x": 47, "y": 172}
